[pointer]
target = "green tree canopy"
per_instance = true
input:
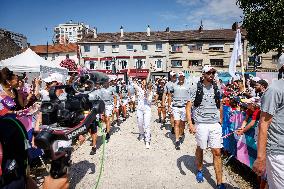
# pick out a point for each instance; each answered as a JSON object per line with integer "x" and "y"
{"x": 264, "y": 23}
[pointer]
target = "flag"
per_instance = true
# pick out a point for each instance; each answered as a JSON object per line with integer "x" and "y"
{"x": 236, "y": 54}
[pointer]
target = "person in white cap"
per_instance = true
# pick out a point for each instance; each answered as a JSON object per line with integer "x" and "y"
{"x": 167, "y": 93}
{"x": 270, "y": 145}
{"x": 179, "y": 98}
{"x": 207, "y": 115}
{"x": 108, "y": 96}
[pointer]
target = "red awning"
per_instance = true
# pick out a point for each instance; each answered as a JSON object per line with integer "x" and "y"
{"x": 87, "y": 58}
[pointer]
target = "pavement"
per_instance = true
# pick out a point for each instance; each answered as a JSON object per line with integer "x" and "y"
{"x": 129, "y": 165}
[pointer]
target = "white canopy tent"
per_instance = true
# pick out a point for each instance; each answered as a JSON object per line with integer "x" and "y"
{"x": 28, "y": 61}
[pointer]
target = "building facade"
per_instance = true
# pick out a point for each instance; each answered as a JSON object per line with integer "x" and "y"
{"x": 18, "y": 38}
{"x": 69, "y": 32}
{"x": 160, "y": 52}
{"x": 57, "y": 52}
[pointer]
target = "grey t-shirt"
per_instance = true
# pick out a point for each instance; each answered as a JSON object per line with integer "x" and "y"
{"x": 272, "y": 102}
{"x": 95, "y": 95}
{"x": 181, "y": 95}
{"x": 131, "y": 89}
{"x": 106, "y": 95}
{"x": 207, "y": 112}
{"x": 169, "y": 87}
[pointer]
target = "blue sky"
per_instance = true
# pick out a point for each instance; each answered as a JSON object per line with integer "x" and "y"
{"x": 30, "y": 17}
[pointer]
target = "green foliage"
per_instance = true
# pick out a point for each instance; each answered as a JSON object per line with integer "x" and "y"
{"x": 264, "y": 23}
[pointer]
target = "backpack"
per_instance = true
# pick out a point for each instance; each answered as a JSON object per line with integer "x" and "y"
{"x": 200, "y": 94}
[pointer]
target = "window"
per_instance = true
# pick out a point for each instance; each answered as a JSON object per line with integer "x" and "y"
{"x": 86, "y": 48}
{"x": 231, "y": 47}
{"x": 216, "y": 47}
{"x": 129, "y": 47}
{"x": 274, "y": 59}
{"x": 107, "y": 65}
{"x": 70, "y": 33}
{"x": 140, "y": 63}
{"x": 158, "y": 63}
{"x": 101, "y": 48}
{"x": 92, "y": 65}
{"x": 115, "y": 48}
{"x": 144, "y": 47}
{"x": 176, "y": 63}
{"x": 194, "y": 47}
{"x": 159, "y": 47}
{"x": 122, "y": 64}
{"x": 216, "y": 62}
{"x": 176, "y": 48}
{"x": 194, "y": 63}
{"x": 254, "y": 61}
{"x": 53, "y": 57}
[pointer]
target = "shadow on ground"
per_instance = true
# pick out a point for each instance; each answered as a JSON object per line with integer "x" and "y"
{"x": 79, "y": 170}
{"x": 189, "y": 164}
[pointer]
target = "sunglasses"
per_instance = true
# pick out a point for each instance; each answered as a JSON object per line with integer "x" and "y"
{"x": 209, "y": 73}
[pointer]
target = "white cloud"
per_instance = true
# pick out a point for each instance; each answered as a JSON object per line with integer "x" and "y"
{"x": 214, "y": 13}
{"x": 188, "y": 2}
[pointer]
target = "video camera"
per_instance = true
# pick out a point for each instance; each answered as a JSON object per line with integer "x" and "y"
{"x": 64, "y": 119}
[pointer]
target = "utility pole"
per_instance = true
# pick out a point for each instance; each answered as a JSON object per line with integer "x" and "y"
{"x": 46, "y": 45}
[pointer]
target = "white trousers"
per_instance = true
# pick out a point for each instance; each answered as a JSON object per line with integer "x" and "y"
{"x": 275, "y": 171}
{"x": 144, "y": 118}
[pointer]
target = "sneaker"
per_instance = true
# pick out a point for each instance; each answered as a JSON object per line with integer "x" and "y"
{"x": 173, "y": 130}
{"x": 93, "y": 151}
{"x": 221, "y": 186}
{"x": 177, "y": 145}
{"x": 199, "y": 177}
{"x": 160, "y": 120}
{"x": 107, "y": 136}
{"x": 147, "y": 145}
{"x": 118, "y": 123}
{"x": 141, "y": 137}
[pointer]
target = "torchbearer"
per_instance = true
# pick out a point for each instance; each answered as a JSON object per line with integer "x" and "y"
{"x": 144, "y": 97}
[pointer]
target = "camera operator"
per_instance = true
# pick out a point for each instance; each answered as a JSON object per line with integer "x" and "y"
{"x": 13, "y": 159}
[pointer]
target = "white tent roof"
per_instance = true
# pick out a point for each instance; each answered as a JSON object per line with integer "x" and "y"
{"x": 27, "y": 61}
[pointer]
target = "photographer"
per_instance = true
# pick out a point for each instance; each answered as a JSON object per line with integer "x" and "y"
{"x": 13, "y": 159}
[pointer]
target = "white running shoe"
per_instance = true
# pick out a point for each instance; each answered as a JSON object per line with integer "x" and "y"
{"x": 147, "y": 145}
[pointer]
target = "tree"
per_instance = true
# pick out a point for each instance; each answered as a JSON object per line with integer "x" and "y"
{"x": 264, "y": 23}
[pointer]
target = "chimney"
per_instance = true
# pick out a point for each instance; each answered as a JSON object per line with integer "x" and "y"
{"x": 148, "y": 31}
{"x": 121, "y": 31}
{"x": 168, "y": 29}
{"x": 95, "y": 32}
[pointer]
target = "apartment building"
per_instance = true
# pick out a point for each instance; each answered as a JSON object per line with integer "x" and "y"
{"x": 69, "y": 32}
{"x": 160, "y": 52}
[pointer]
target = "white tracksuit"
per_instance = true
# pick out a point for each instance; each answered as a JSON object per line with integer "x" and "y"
{"x": 144, "y": 111}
